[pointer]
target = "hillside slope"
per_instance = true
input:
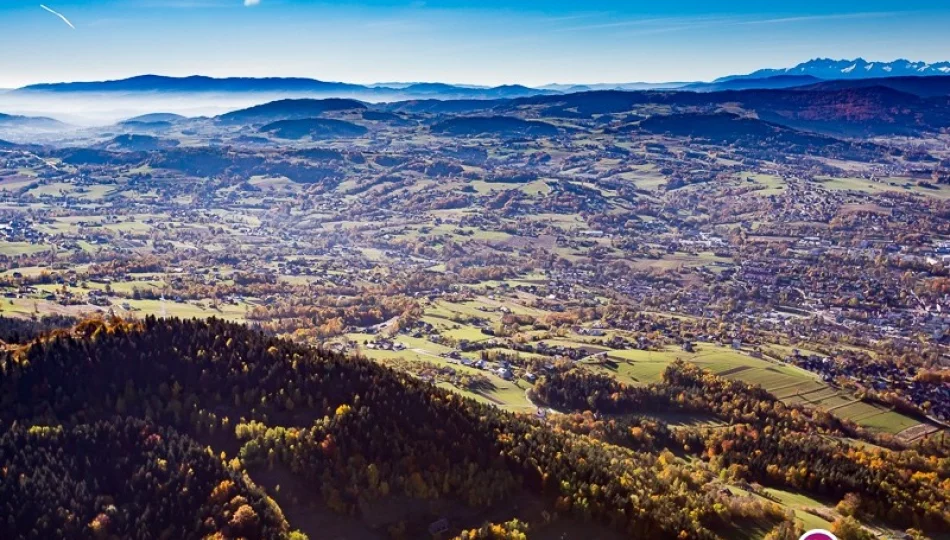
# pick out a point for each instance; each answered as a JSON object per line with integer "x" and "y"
{"x": 137, "y": 143}
{"x": 125, "y": 478}
{"x": 357, "y": 434}
{"x": 317, "y": 128}
{"x": 729, "y": 129}
{"x": 919, "y": 86}
{"x": 497, "y": 126}
{"x": 290, "y": 109}
{"x": 858, "y": 111}
{"x": 31, "y": 122}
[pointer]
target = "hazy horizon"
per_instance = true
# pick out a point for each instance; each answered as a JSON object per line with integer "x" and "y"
{"x": 395, "y": 83}
{"x": 101, "y": 109}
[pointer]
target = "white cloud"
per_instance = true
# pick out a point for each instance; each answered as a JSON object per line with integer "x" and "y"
{"x": 251, "y": 3}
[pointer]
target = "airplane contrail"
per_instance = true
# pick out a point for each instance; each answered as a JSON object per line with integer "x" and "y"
{"x": 60, "y": 15}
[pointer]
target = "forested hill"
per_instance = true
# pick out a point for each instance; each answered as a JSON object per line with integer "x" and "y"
{"x": 125, "y": 478}
{"x": 358, "y": 433}
{"x": 376, "y": 432}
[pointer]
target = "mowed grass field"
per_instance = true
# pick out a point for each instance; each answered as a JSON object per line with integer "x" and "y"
{"x": 786, "y": 382}
{"x": 881, "y": 186}
{"x": 509, "y": 395}
{"x": 167, "y": 308}
{"x": 14, "y": 249}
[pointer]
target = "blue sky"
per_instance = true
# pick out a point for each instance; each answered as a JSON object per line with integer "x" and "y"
{"x": 461, "y": 41}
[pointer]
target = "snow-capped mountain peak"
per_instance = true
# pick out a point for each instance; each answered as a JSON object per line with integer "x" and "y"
{"x": 859, "y": 68}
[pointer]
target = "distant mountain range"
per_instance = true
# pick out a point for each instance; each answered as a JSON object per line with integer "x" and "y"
{"x": 284, "y": 85}
{"x": 828, "y": 69}
{"x": 852, "y": 110}
{"x": 813, "y": 71}
{"x": 916, "y": 79}
{"x": 765, "y": 83}
{"x": 890, "y": 106}
{"x": 810, "y": 72}
{"x": 574, "y": 88}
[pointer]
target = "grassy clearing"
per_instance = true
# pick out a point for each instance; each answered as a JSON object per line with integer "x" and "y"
{"x": 771, "y": 184}
{"x": 266, "y": 183}
{"x": 17, "y": 183}
{"x": 128, "y": 226}
{"x": 13, "y": 249}
{"x": 26, "y": 271}
{"x": 786, "y": 382}
{"x": 882, "y": 185}
{"x": 509, "y": 395}
{"x": 890, "y": 422}
{"x": 467, "y": 333}
{"x": 141, "y": 308}
{"x": 54, "y": 189}
{"x": 799, "y": 503}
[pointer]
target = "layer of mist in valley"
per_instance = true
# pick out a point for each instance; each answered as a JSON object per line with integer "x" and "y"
{"x": 85, "y": 110}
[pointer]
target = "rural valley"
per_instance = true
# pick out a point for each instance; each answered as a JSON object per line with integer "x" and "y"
{"x": 674, "y": 313}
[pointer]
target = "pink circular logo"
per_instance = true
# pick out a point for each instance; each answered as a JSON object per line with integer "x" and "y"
{"x": 818, "y": 534}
